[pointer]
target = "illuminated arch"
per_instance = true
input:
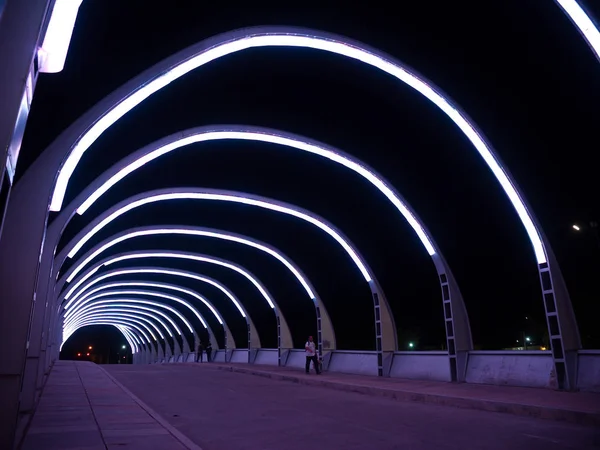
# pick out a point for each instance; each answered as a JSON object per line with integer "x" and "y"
{"x": 145, "y": 342}
{"x": 253, "y": 338}
{"x": 29, "y": 203}
{"x": 196, "y": 193}
{"x": 386, "y": 341}
{"x": 284, "y": 338}
{"x": 454, "y": 308}
{"x": 160, "y": 295}
{"x": 124, "y": 330}
{"x": 111, "y": 109}
{"x": 132, "y": 314}
{"x": 145, "y": 334}
{"x": 126, "y": 309}
{"x": 583, "y": 22}
{"x": 323, "y": 318}
{"x": 229, "y": 342}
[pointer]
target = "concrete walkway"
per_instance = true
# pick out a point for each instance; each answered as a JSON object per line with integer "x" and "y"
{"x": 575, "y": 407}
{"x": 83, "y": 407}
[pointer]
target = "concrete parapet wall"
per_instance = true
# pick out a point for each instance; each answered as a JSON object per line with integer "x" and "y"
{"x": 296, "y": 358}
{"x": 505, "y": 368}
{"x": 355, "y": 362}
{"x": 239, "y": 356}
{"x": 267, "y": 356}
{"x": 588, "y": 371}
{"x": 511, "y": 368}
{"x": 433, "y": 366}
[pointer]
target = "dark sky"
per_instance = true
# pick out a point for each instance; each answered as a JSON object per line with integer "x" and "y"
{"x": 519, "y": 69}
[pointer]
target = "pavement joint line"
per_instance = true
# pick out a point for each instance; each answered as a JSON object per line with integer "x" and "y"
{"x": 90, "y": 405}
{"x": 517, "y": 409}
{"x": 183, "y": 439}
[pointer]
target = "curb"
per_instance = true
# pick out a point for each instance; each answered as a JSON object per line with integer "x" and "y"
{"x": 183, "y": 439}
{"x": 535, "y": 411}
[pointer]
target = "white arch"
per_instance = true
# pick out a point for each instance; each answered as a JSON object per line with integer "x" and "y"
{"x": 87, "y": 300}
{"x": 583, "y": 22}
{"x": 175, "y": 272}
{"x": 286, "y": 37}
{"x": 204, "y": 135}
{"x": 124, "y": 307}
{"x": 130, "y": 322}
{"x": 235, "y": 197}
{"x": 160, "y": 286}
{"x": 122, "y": 329}
{"x": 129, "y": 337}
{"x": 157, "y": 254}
{"x": 131, "y": 313}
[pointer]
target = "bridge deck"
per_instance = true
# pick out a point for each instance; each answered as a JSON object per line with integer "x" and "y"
{"x": 175, "y": 406}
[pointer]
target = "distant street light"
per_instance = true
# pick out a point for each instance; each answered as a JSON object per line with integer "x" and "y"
{"x": 124, "y": 347}
{"x": 411, "y": 345}
{"x": 593, "y": 226}
{"x": 90, "y": 347}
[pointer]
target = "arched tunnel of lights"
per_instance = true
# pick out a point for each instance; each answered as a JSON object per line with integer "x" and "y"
{"x": 164, "y": 321}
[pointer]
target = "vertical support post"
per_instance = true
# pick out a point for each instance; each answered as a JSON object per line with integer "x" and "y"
{"x": 562, "y": 326}
{"x": 278, "y": 341}
{"x": 386, "y": 337}
{"x": 456, "y": 321}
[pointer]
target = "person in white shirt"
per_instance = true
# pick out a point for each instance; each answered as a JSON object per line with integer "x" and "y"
{"x": 311, "y": 355}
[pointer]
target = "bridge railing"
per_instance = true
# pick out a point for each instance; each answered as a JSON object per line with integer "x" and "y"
{"x": 527, "y": 368}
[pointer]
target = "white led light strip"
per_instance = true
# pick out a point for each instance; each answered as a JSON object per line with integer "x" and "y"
{"x": 160, "y": 286}
{"x": 273, "y": 139}
{"x": 227, "y": 198}
{"x": 127, "y": 313}
{"x": 583, "y": 22}
{"x": 140, "y": 326}
{"x": 171, "y": 255}
{"x": 174, "y": 272}
{"x": 204, "y": 233}
{"x": 115, "y": 305}
{"x": 286, "y": 39}
{"x": 124, "y": 329}
{"x": 85, "y": 301}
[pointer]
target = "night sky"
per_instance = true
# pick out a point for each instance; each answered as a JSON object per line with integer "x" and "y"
{"x": 518, "y": 68}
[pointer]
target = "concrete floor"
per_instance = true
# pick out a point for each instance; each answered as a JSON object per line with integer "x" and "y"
{"x": 221, "y": 410}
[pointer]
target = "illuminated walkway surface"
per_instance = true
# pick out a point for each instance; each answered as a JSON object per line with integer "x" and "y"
{"x": 204, "y": 406}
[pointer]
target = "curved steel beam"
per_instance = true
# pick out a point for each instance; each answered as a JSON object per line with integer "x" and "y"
{"x": 386, "y": 339}
{"x": 122, "y": 312}
{"x": 147, "y": 293}
{"x": 124, "y": 307}
{"x": 115, "y": 106}
{"x": 284, "y": 337}
{"x": 456, "y": 314}
{"x": 146, "y": 341}
{"x": 126, "y": 310}
{"x": 124, "y": 330}
{"x": 324, "y": 324}
{"x": 35, "y": 192}
{"x": 229, "y": 342}
{"x": 584, "y": 24}
{"x": 253, "y": 338}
